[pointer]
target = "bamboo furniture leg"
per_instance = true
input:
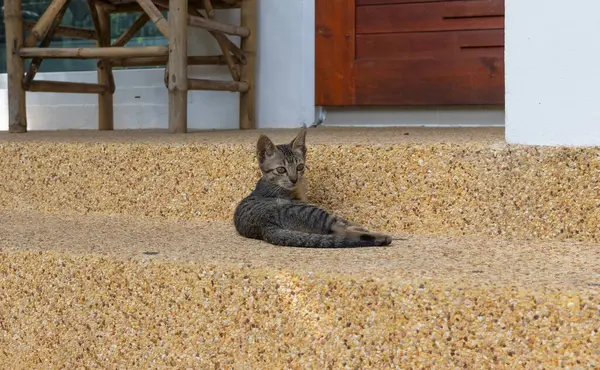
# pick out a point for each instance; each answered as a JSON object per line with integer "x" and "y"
{"x": 15, "y": 66}
{"x": 101, "y": 20}
{"x": 240, "y": 61}
{"x": 177, "y": 66}
{"x": 105, "y": 75}
{"x": 182, "y": 13}
{"x": 248, "y": 98}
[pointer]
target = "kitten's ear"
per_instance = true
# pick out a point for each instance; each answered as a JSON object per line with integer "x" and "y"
{"x": 264, "y": 147}
{"x": 299, "y": 141}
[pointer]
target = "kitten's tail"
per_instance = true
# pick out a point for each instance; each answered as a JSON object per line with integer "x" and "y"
{"x": 299, "y": 239}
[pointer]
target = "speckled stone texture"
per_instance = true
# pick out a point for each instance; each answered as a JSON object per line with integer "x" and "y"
{"x": 82, "y": 292}
{"x": 90, "y": 312}
{"x": 498, "y": 265}
{"x": 440, "y": 181}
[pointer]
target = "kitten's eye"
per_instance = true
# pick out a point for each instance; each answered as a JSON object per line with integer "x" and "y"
{"x": 300, "y": 167}
{"x": 280, "y": 170}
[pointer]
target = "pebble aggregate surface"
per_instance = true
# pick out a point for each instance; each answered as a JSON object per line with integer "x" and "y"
{"x": 432, "y": 181}
{"x": 117, "y": 251}
{"x": 100, "y": 291}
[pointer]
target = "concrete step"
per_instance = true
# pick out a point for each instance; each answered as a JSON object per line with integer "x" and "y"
{"x": 130, "y": 292}
{"x": 418, "y": 181}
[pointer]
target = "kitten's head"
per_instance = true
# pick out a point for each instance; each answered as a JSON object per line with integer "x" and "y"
{"x": 283, "y": 164}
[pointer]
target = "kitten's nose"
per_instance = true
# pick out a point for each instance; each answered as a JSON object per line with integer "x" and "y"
{"x": 294, "y": 179}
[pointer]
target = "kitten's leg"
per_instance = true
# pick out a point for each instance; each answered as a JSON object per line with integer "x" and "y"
{"x": 312, "y": 219}
{"x": 350, "y": 225}
{"x": 300, "y": 192}
{"x": 357, "y": 232}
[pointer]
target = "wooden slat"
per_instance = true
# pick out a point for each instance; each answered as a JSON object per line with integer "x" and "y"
{"x": 484, "y": 8}
{"x": 71, "y": 32}
{"x": 433, "y": 16}
{"x": 384, "y": 2}
{"x": 162, "y": 61}
{"x": 335, "y": 46}
{"x": 427, "y": 44}
{"x": 211, "y": 25}
{"x": 216, "y": 85}
{"x": 95, "y": 53}
{"x": 468, "y": 80}
{"x": 67, "y": 87}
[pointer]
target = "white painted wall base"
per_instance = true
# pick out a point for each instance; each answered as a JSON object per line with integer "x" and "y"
{"x": 551, "y": 72}
{"x": 430, "y": 117}
{"x": 140, "y": 102}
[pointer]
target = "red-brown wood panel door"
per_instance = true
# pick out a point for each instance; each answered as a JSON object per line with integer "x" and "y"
{"x": 409, "y": 52}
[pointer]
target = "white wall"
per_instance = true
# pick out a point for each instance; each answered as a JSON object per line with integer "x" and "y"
{"x": 285, "y": 82}
{"x": 552, "y": 79}
{"x": 286, "y": 63}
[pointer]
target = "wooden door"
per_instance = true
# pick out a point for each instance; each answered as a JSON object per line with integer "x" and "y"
{"x": 409, "y": 52}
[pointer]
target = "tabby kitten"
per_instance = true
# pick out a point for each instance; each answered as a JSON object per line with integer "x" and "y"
{"x": 277, "y": 210}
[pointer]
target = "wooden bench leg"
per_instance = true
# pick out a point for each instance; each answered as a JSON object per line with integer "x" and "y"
{"x": 177, "y": 65}
{"x": 17, "y": 114}
{"x": 105, "y": 75}
{"x": 248, "y": 98}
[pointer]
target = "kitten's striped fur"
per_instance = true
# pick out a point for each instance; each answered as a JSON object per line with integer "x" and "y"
{"x": 277, "y": 210}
